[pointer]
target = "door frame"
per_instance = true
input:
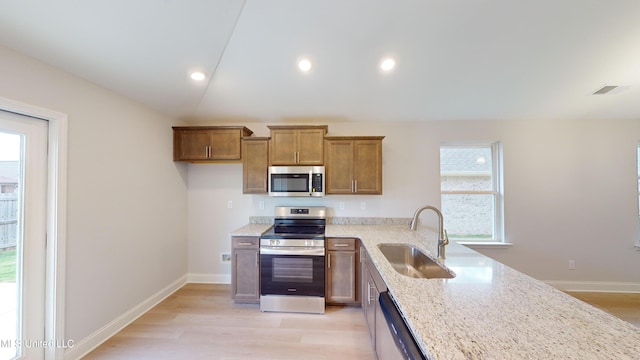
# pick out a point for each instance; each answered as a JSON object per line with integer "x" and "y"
{"x": 56, "y": 221}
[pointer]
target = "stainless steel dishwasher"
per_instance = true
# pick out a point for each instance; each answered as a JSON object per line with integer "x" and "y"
{"x": 397, "y": 341}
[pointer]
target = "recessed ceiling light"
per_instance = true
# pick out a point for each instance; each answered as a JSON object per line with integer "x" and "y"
{"x": 304, "y": 64}
{"x": 197, "y": 76}
{"x": 387, "y": 64}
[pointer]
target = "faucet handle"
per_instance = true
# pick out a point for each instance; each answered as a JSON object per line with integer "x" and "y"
{"x": 446, "y": 237}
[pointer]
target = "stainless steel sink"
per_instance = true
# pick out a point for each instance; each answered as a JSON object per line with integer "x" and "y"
{"x": 410, "y": 261}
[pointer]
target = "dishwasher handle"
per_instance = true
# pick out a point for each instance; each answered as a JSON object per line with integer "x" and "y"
{"x": 399, "y": 331}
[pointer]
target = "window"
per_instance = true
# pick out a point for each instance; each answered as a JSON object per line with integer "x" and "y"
{"x": 470, "y": 186}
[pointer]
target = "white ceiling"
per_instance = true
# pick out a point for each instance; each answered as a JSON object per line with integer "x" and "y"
{"x": 456, "y": 59}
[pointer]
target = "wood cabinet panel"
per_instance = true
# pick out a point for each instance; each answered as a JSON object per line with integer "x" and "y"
{"x": 208, "y": 143}
{"x": 311, "y": 146}
{"x": 297, "y": 145}
{"x": 190, "y": 145}
{"x": 283, "y": 147}
{"x": 255, "y": 165}
{"x": 339, "y": 168}
{"x": 342, "y": 272}
{"x": 367, "y": 166}
{"x": 353, "y": 165}
{"x": 245, "y": 270}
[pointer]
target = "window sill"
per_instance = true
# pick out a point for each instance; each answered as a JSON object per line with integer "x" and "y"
{"x": 488, "y": 244}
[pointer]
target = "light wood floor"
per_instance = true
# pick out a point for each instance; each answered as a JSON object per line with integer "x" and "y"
{"x": 199, "y": 321}
{"x": 623, "y": 305}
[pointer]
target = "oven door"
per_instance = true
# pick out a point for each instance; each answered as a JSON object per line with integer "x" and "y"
{"x": 292, "y": 271}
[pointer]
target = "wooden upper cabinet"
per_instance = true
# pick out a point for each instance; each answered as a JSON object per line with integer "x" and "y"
{"x": 255, "y": 165}
{"x": 353, "y": 165}
{"x": 297, "y": 145}
{"x": 208, "y": 143}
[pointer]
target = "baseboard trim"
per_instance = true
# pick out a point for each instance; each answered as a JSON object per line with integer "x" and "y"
{"x": 209, "y": 278}
{"x": 595, "y": 286}
{"x": 94, "y": 340}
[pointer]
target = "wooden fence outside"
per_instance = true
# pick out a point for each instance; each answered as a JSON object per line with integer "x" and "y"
{"x": 8, "y": 220}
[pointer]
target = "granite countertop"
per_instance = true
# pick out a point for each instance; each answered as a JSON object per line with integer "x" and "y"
{"x": 489, "y": 310}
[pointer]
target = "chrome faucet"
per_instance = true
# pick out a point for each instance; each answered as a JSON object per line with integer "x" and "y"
{"x": 443, "y": 238}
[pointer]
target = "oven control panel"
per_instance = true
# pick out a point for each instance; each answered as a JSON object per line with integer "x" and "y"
{"x": 291, "y": 243}
{"x": 295, "y": 211}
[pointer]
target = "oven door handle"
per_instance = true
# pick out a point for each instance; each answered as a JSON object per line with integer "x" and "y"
{"x": 291, "y": 250}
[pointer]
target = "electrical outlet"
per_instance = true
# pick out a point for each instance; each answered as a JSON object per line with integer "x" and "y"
{"x": 261, "y": 205}
{"x": 225, "y": 257}
{"x": 230, "y": 204}
{"x": 363, "y": 206}
{"x": 341, "y": 205}
{"x": 572, "y": 264}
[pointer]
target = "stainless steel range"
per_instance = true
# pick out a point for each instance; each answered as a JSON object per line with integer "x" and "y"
{"x": 292, "y": 252}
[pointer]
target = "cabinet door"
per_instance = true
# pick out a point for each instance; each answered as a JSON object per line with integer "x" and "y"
{"x": 282, "y": 148}
{"x": 370, "y": 299}
{"x": 245, "y": 269}
{"x": 245, "y": 276}
{"x": 225, "y": 144}
{"x": 339, "y": 168}
{"x": 341, "y": 277}
{"x": 191, "y": 145}
{"x": 255, "y": 163}
{"x": 367, "y": 166}
{"x": 310, "y": 146}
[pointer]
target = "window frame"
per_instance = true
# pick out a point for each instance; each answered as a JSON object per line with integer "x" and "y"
{"x": 497, "y": 190}
{"x": 637, "y": 244}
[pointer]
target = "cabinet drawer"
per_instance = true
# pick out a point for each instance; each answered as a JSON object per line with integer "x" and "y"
{"x": 245, "y": 242}
{"x": 341, "y": 244}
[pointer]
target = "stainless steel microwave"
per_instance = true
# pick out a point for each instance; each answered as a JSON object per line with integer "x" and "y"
{"x": 296, "y": 181}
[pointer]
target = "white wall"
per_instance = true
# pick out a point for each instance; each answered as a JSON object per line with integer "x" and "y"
{"x": 570, "y": 193}
{"x": 126, "y": 231}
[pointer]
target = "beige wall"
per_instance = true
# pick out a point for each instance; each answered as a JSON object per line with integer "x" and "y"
{"x": 126, "y": 230}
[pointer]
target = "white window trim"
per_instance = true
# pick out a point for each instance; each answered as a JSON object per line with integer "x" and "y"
{"x": 497, "y": 178}
{"x": 637, "y": 244}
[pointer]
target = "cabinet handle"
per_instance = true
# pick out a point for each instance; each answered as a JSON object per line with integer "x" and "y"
{"x": 341, "y": 245}
{"x": 368, "y": 292}
{"x": 351, "y": 185}
{"x": 245, "y": 244}
{"x": 257, "y": 260}
{"x": 329, "y": 262}
{"x": 355, "y": 185}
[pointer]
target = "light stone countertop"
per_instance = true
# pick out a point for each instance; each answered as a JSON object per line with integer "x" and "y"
{"x": 489, "y": 310}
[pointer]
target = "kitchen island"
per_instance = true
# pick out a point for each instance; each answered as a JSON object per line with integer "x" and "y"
{"x": 489, "y": 310}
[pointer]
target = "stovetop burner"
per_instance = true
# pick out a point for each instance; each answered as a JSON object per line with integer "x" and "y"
{"x": 298, "y": 223}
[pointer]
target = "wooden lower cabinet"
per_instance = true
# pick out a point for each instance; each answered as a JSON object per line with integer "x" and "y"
{"x": 245, "y": 270}
{"x": 342, "y": 272}
{"x": 372, "y": 285}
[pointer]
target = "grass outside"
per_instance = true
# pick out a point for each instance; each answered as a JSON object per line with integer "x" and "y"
{"x": 8, "y": 266}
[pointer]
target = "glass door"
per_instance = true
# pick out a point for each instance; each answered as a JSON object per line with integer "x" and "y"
{"x": 23, "y": 174}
